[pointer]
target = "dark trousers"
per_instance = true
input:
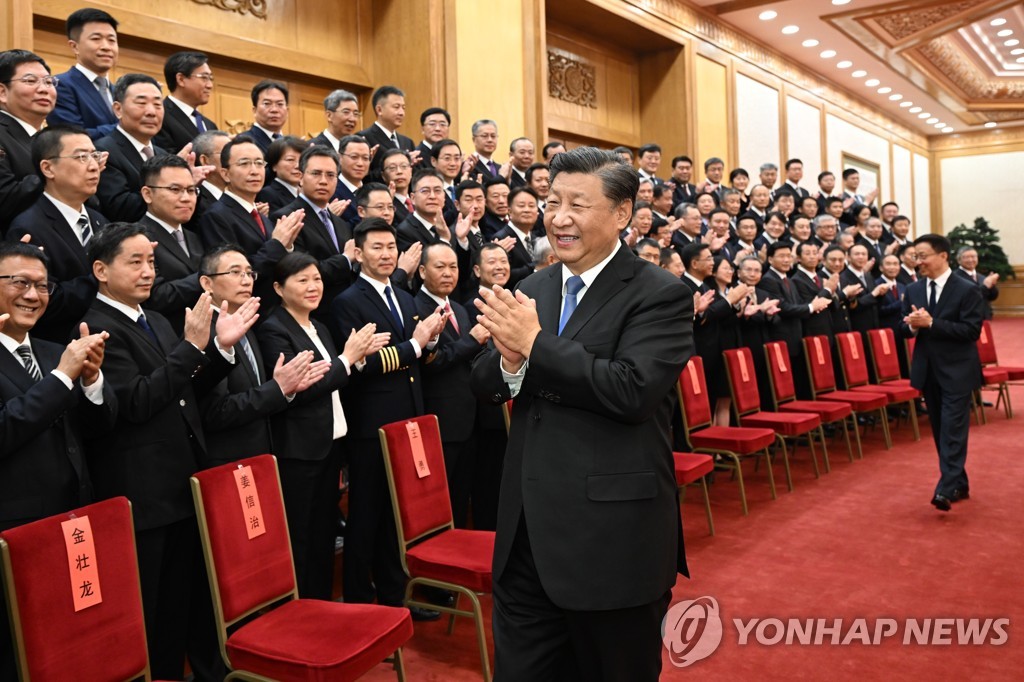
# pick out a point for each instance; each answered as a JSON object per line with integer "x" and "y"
{"x": 373, "y": 568}
{"x": 168, "y": 563}
{"x": 459, "y": 461}
{"x": 490, "y": 460}
{"x": 204, "y": 657}
{"x": 310, "y": 491}
{"x": 949, "y": 412}
{"x": 535, "y": 640}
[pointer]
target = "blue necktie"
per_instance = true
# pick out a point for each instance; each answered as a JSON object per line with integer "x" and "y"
{"x": 142, "y": 322}
{"x": 329, "y": 226}
{"x": 394, "y": 308}
{"x": 573, "y": 285}
{"x": 200, "y": 125}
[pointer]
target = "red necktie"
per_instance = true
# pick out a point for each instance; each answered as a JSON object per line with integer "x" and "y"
{"x": 451, "y": 317}
{"x": 408, "y": 204}
{"x": 259, "y": 222}
{"x": 817, "y": 282}
{"x": 785, "y": 283}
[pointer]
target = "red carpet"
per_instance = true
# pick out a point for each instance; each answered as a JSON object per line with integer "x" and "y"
{"x": 862, "y": 542}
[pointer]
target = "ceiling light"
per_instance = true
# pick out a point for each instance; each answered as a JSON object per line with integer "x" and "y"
{"x": 828, "y": 54}
{"x": 924, "y": 114}
{"x": 790, "y": 30}
{"x": 840, "y": 2}
{"x": 767, "y": 15}
{"x": 1012, "y": 43}
{"x": 1020, "y": 60}
{"x": 1005, "y": 32}
{"x": 940, "y": 124}
{"x": 884, "y": 91}
{"x": 932, "y": 121}
{"x": 904, "y": 105}
{"x": 845, "y": 64}
{"x": 997, "y": 22}
{"x": 947, "y": 129}
{"x": 810, "y": 42}
{"x": 1019, "y": 50}
{"x": 895, "y": 97}
{"x": 872, "y": 82}
{"x": 859, "y": 73}
{"x": 915, "y": 110}
{"x": 991, "y": 124}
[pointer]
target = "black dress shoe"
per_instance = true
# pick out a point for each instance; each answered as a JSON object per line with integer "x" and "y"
{"x": 941, "y": 502}
{"x": 435, "y": 595}
{"x": 959, "y": 494}
{"x": 421, "y": 614}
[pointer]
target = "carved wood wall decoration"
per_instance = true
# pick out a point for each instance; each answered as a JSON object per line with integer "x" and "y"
{"x": 571, "y": 80}
{"x": 257, "y": 8}
{"x": 900, "y": 25}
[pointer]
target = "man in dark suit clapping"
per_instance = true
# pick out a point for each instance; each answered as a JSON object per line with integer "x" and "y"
{"x": 389, "y": 107}
{"x": 190, "y": 81}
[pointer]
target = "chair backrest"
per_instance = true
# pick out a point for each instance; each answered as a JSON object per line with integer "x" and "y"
{"x": 852, "y": 359}
{"x": 693, "y": 395}
{"x": 986, "y": 345}
{"x": 780, "y": 372}
{"x": 739, "y": 367}
{"x": 883, "y": 353}
{"x": 908, "y": 344}
{"x": 414, "y": 459}
{"x": 50, "y": 563}
{"x": 819, "y": 364}
{"x": 247, "y": 571}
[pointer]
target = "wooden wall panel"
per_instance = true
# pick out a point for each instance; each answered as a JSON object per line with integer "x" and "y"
{"x": 663, "y": 112}
{"x": 711, "y": 110}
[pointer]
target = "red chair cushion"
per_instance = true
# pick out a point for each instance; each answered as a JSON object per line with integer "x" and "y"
{"x": 819, "y": 359}
{"x": 457, "y": 556}
{"x": 860, "y": 401}
{"x": 895, "y": 394}
{"x": 994, "y": 375}
{"x": 739, "y": 439}
{"x": 828, "y": 410}
{"x": 739, "y": 365}
{"x": 692, "y": 466}
{"x": 313, "y": 640}
{"x": 1015, "y": 373}
{"x": 986, "y": 345}
{"x": 850, "y": 344}
{"x": 783, "y": 423}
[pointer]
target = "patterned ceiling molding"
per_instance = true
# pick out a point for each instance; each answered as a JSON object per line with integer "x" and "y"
{"x": 900, "y": 25}
{"x": 257, "y": 8}
{"x": 981, "y": 138}
{"x": 965, "y": 75}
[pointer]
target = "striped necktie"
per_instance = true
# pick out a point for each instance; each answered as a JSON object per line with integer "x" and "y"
{"x": 30, "y": 365}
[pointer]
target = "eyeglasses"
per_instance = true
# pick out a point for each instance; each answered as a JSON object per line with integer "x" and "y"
{"x": 237, "y": 273}
{"x": 382, "y": 208}
{"x": 33, "y": 81}
{"x": 397, "y": 167}
{"x": 427, "y": 191}
{"x": 357, "y": 157}
{"x": 448, "y": 158}
{"x": 177, "y": 190}
{"x": 83, "y": 157}
{"x": 205, "y": 77}
{"x": 347, "y": 112}
{"x": 21, "y": 285}
{"x": 246, "y": 163}
{"x": 329, "y": 175}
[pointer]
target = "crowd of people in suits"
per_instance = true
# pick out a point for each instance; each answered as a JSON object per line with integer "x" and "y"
{"x": 228, "y": 296}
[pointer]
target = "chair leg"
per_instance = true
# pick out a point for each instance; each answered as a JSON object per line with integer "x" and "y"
{"x": 824, "y": 449}
{"x": 771, "y": 476}
{"x": 846, "y": 435}
{"x": 399, "y": 665}
{"x": 913, "y": 419}
{"x": 980, "y": 402}
{"x": 785, "y": 462}
{"x": 856, "y": 435}
{"x": 707, "y": 504}
{"x": 451, "y": 617}
{"x": 737, "y": 471}
{"x": 883, "y": 416}
{"x": 814, "y": 455}
{"x": 478, "y": 618}
{"x": 1004, "y": 394}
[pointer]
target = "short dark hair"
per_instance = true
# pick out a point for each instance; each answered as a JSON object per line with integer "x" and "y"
{"x": 648, "y": 242}
{"x": 10, "y": 60}
{"x": 648, "y": 148}
{"x": 619, "y": 182}
{"x": 464, "y": 185}
{"x": 891, "y": 203}
{"x": 435, "y": 150}
{"x": 736, "y": 172}
{"x": 48, "y": 143}
{"x": 899, "y": 218}
{"x": 491, "y": 182}
{"x": 435, "y": 110}
{"x": 716, "y": 211}
{"x": 344, "y": 142}
{"x": 367, "y": 188}
{"x": 800, "y": 247}
{"x": 383, "y": 92}
{"x": 487, "y": 246}
{"x": 129, "y": 79}
{"x": 785, "y": 191}
{"x": 791, "y": 162}
{"x": 711, "y": 161}
{"x": 824, "y": 174}
{"x": 533, "y": 168}
{"x": 105, "y": 244}
{"x": 522, "y": 189}
{"x": 368, "y": 225}
{"x": 778, "y": 246}
{"x": 225, "y": 153}
{"x": 16, "y": 248}
{"x": 681, "y": 157}
{"x": 87, "y": 15}
{"x": 938, "y": 243}
{"x": 268, "y": 84}
{"x": 546, "y": 150}
{"x": 833, "y": 247}
{"x": 665, "y": 255}
{"x": 833, "y": 200}
{"x": 691, "y": 252}
{"x": 661, "y": 189}
{"x": 776, "y": 214}
{"x": 425, "y": 254}
{"x": 184, "y": 63}
{"x": 621, "y": 149}
{"x": 317, "y": 150}
{"x": 211, "y": 259}
{"x": 387, "y": 154}
{"x": 850, "y": 171}
{"x": 151, "y": 168}
{"x": 747, "y": 216}
{"x": 902, "y": 249}
{"x": 512, "y": 144}
{"x": 277, "y": 149}
{"x": 420, "y": 175}
{"x": 292, "y": 264}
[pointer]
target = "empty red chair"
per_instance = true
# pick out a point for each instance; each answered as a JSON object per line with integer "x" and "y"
{"x": 299, "y": 639}
{"x": 746, "y": 402}
{"x": 433, "y": 551}
{"x": 886, "y": 362}
{"x": 823, "y": 387}
{"x": 53, "y": 642}
{"x": 692, "y": 467}
{"x": 855, "y": 371}
{"x": 780, "y": 379}
{"x": 993, "y": 373}
{"x": 733, "y": 443}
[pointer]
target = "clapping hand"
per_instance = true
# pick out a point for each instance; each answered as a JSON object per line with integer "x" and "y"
{"x": 231, "y": 327}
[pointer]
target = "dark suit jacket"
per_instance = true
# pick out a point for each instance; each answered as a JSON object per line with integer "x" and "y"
{"x": 401, "y": 211}
{"x": 411, "y": 230}
{"x": 236, "y": 412}
{"x": 482, "y": 169}
{"x": 261, "y": 139}
{"x": 589, "y": 444}
{"x": 890, "y": 307}
{"x": 446, "y": 370}
{"x": 792, "y": 312}
{"x": 322, "y": 140}
{"x": 153, "y": 449}
{"x": 80, "y": 104}
{"x": 376, "y": 137}
{"x": 490, "y": 225}
{"x": 178, "y": 128}
{"x": 684, "y": 194}
{"x": 275, "y": 194}
{"x": 204, "y": 200}
{"x": 519, "y": 260}
{"x": 947, "y": 352}
{"x": 814, "y": 324}
{"x": 68, "y": 266}
{"x": 424, "y": 163}
{"x": 839, "y": 311}
{"x": 387, "y": 388}
{"x": 121, "y": 180}
{"x": 351, "y": 215}
{"x": 19, "y": 184}
{"x": 42, "y": 430}
{"x": 863, "y": 308}
{"x": 905, "y": 277}
{"x": 987, "y": 295}
{"x": 176, "y": 285}
{"x": 516, "y": 180}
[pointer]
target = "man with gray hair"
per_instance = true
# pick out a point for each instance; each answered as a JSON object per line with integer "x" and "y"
{"x": 342, "y": 110}
{"x": 543, "y": 255}
{"x": 769, "y": 175}
{"x": 825, "y": 228}
{"x": 485, "y": 141}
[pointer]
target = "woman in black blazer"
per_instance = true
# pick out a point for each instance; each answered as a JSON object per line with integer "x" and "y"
{"x": 307, "y": 435}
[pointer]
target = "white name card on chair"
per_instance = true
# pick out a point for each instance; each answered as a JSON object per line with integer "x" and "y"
{"x": 249, "y": 497}
{"x": 85, "y": 576}
{"x": 419, "y": 455}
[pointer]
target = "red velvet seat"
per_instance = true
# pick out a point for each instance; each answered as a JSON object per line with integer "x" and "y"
{"x": 433, "y": 552}
{"x": 301, "y": 639}
{"x": 692, "y": 467}
{"x": 733, "y": 443}
{"x": 53, "y": 642}
{"x": 746, "y": 403}
{"x": 855, "y": 371}
{"x": 818, "y": 354}
{"x": 995, "y": 374}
